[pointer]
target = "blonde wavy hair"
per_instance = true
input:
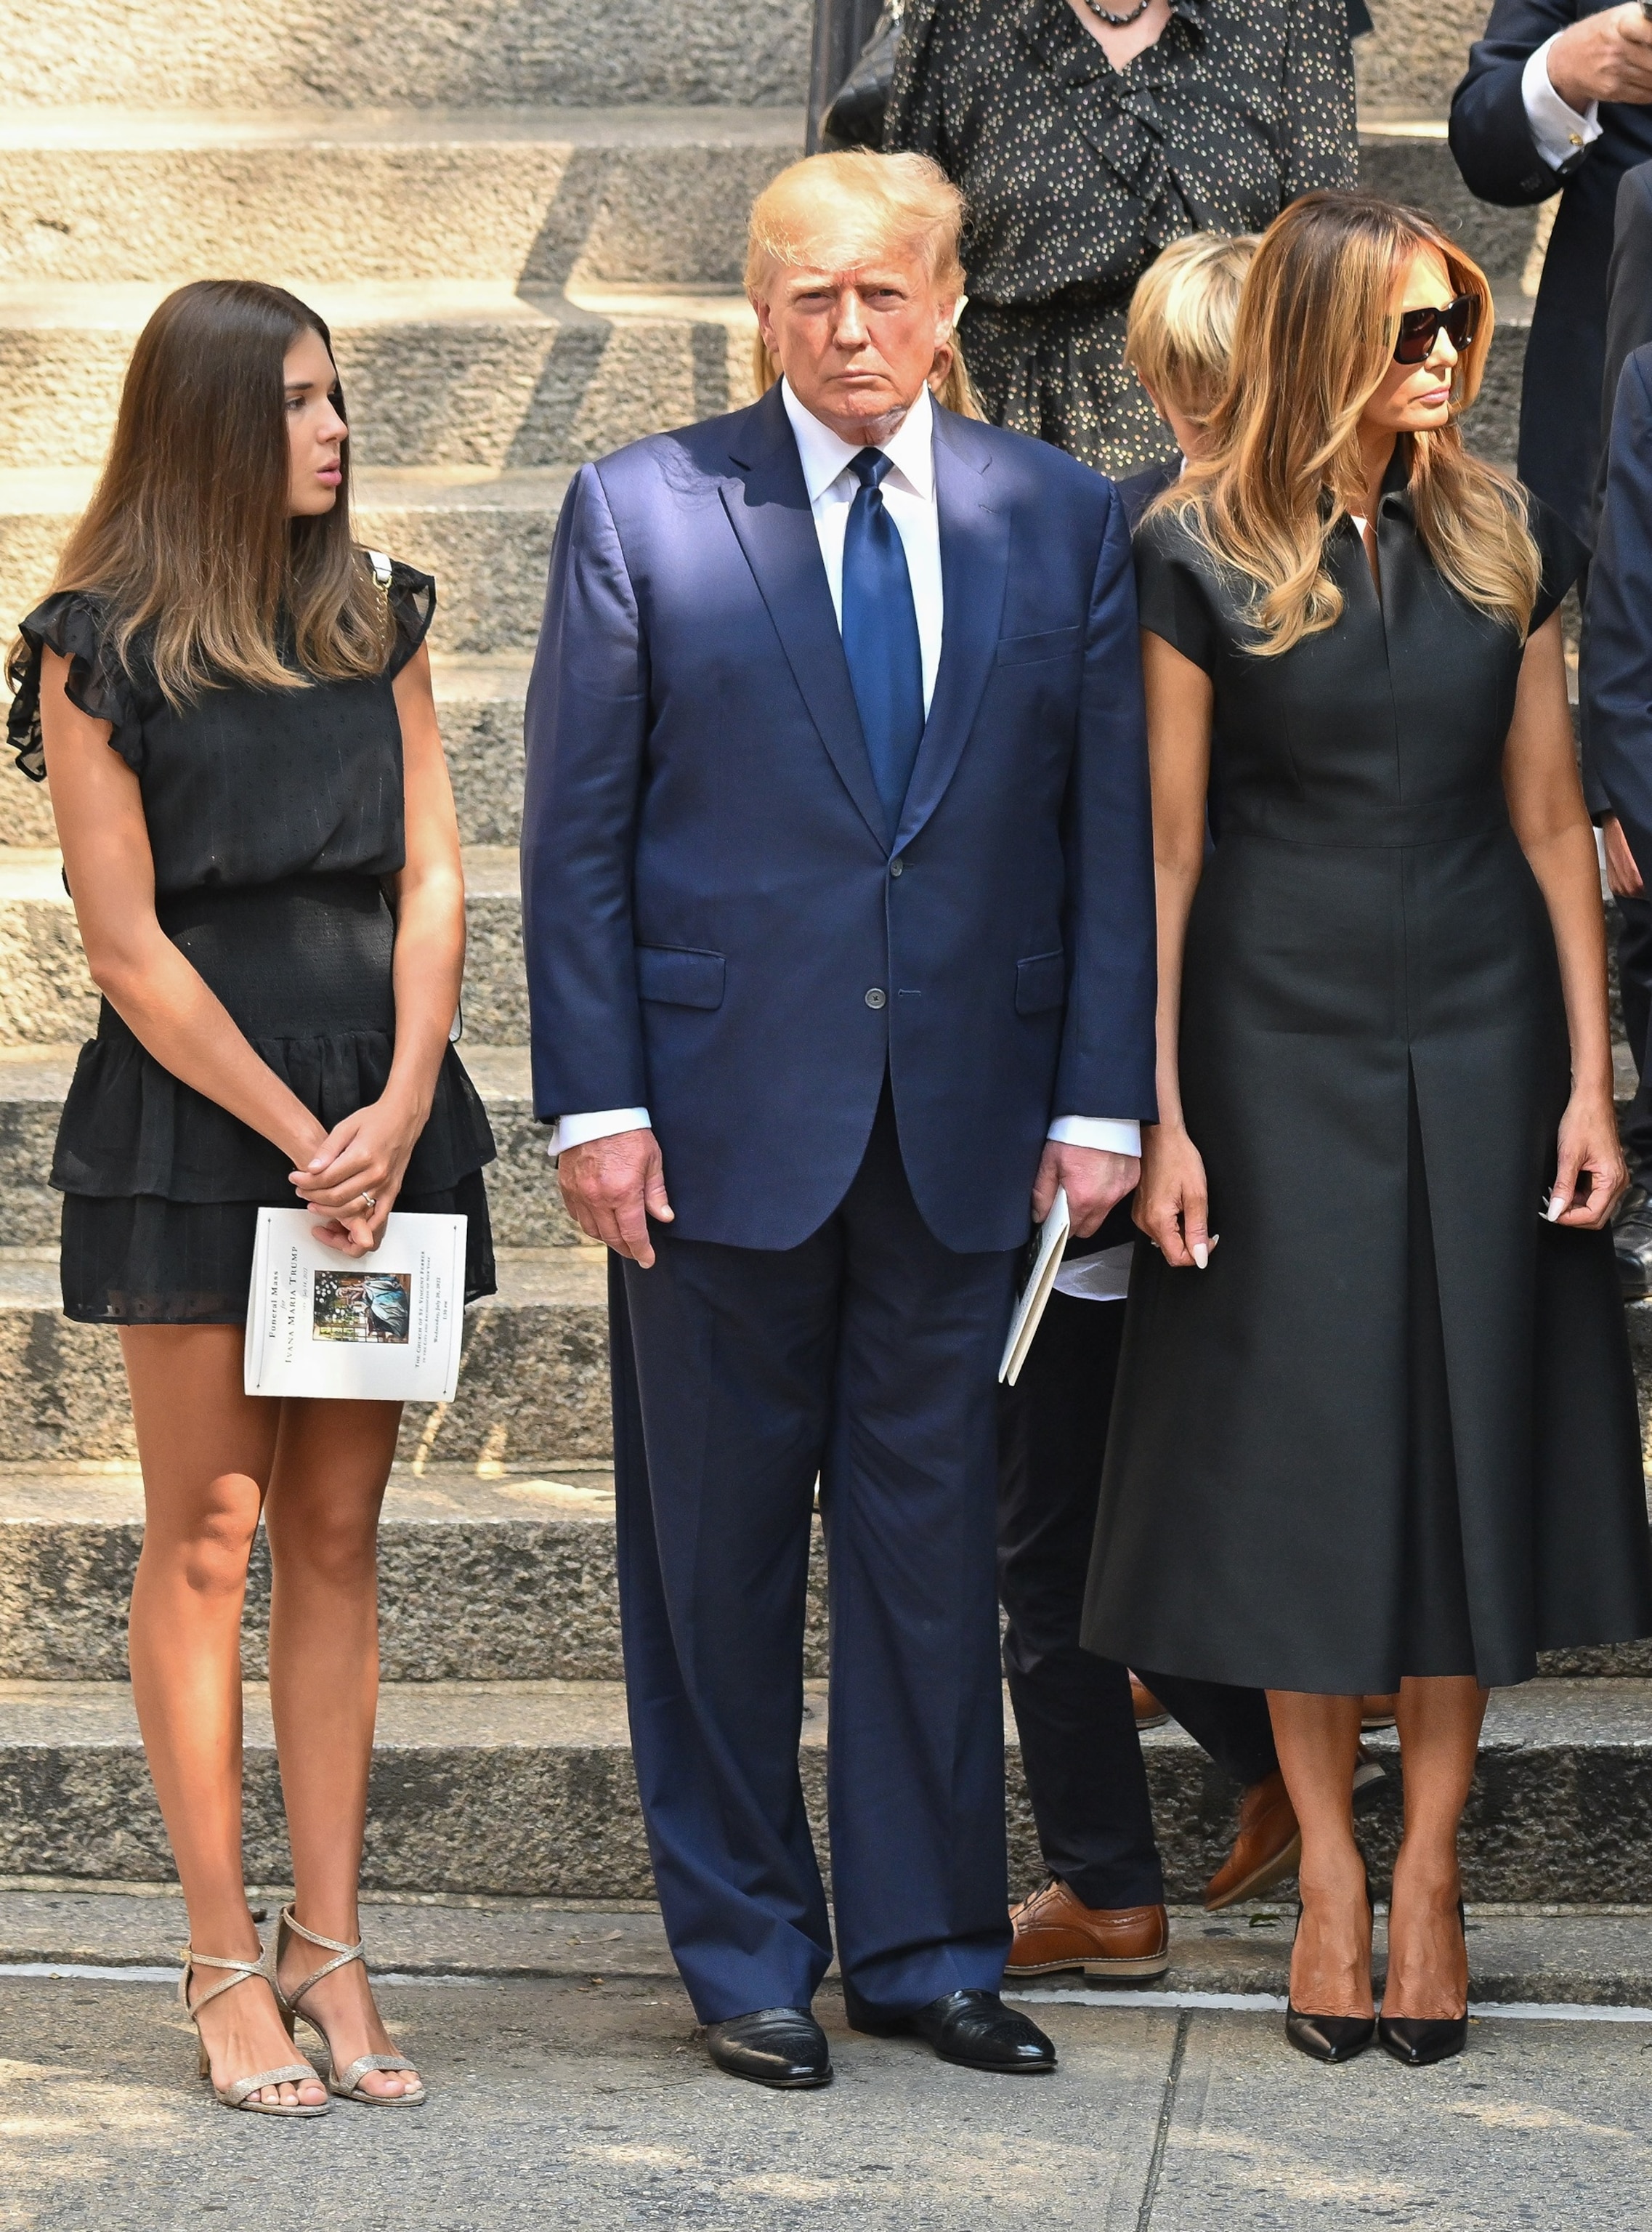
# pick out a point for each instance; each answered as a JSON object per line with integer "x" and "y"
{"x": 1314, "y": 341}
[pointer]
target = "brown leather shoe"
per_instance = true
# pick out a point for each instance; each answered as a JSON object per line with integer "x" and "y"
{"x": 1149, "y": 1714}
{"x": 1053, "y": 1931}
{"x": 1268, "y": 1848}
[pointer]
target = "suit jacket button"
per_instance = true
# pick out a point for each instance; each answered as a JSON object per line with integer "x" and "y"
{"x": 877, "y": 997}
{"x": 896, "y": 866}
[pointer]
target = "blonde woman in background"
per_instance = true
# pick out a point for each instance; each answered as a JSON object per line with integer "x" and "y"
{"x": 1384, "y": 1437}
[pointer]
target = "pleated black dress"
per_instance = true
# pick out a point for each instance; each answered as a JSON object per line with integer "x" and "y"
{"x": 1392, "y": 1429}
{"x": 273, "y": 817}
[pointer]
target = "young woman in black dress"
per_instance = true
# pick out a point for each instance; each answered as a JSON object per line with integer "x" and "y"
{"x": 233, "y": 703}
{"x": 1383, "y": 1436}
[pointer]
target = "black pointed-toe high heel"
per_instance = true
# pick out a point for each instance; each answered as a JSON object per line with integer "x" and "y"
{"x": 1330, "y": 2038}
{"x": 1420, "y": 2041}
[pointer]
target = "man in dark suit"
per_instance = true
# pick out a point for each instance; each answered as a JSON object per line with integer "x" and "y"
{"x": 838, "y": 911}
{"x": 1555, "y": 99}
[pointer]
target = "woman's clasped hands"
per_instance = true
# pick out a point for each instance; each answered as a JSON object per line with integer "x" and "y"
{"x": 353, "y": 1173}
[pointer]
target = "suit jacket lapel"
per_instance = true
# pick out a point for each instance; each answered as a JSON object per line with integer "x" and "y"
{"x": 975, "y": 567}
{"x": 769, "y": 507}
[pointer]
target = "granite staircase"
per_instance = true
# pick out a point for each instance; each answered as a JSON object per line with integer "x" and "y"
{"x": 523, "y": 220}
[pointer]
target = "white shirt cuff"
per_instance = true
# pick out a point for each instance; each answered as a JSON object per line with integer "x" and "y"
{"x": 574, "y": 1131}
{"x": 1110, "y": 1135}
{"x": 1559, "y": 132}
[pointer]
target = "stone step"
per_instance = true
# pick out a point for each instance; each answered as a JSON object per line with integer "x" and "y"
{"x": 526, "y": 1207}
{"x": 480, "y": 702}
{"x": 145, "y": 53}
{"x": 1408, "y": 159}
{"x": 486, "y": 1574}
{"x": 533, "y": 1390}
{"x": 435, "y": 372}
{"x": 47, "y": 997}
{"x": 1519, "y": 1955}
{"x": 526, "y": 1788}
{"x": 534, "y": 198}
{"x": 1411, "y": 61}
{"x": 484, "y": 532}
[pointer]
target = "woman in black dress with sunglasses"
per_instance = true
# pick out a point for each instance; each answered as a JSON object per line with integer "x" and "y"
{"x": 1376, "y": 1426}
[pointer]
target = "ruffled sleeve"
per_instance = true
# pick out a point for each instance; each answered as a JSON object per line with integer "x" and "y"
{"x": 73, "y": 624}
{"x": 412, "y": 607}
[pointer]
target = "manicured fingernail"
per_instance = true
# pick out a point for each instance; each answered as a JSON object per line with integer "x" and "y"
{"x": 1558, "y": 1205}
{"x": 1201, "y": 1253}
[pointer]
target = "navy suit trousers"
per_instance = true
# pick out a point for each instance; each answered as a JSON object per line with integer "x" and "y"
{"x": 867, "y": 1356}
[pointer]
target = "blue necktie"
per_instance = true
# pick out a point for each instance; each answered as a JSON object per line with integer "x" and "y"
{"x": 880, "y": 639}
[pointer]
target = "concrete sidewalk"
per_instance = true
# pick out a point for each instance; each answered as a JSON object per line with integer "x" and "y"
{"x": 581, "y": 2099}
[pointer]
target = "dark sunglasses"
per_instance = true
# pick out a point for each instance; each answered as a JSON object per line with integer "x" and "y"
{"x": 1419, "y": 329}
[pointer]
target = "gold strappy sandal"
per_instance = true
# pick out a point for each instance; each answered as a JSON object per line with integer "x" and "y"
{"x": 346, "y": 2083}
{"x": 239, "y": 2095}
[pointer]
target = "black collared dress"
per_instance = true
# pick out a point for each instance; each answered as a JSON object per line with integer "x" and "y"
{"x": 1392, "y": 1429}
{"x": 1078, "y": 174}
{"x": 275, "y": 817}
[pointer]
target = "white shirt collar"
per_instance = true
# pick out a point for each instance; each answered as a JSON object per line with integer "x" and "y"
{"x": 824, "y": 455}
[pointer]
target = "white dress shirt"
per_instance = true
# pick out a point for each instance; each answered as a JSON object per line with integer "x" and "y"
{"x": 908, "y": 498}
{"x": 1557, "y": 130}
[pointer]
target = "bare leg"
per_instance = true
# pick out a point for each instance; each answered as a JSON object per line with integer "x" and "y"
{"x": 1439, "y": 1720}
{"x": 205, "y": 1448}
{"x": 1317, "y": 1740}
{"x": 331, "y": 1463}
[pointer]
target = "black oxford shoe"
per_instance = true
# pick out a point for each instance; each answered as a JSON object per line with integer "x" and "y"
{"x": 782, "y": 2047}
{"x": 975, "y": 2029}
{"x": 1632, "y": 1243}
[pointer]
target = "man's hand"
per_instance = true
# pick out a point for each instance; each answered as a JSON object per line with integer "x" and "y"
{"x": 1604, "y": 57}
{"x": 1095, "y": 1182}
{"x": 612, "y": 1187}
{"x": 1622, "y": 871}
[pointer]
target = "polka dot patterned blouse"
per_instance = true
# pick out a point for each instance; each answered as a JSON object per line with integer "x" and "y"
{"x": 1077, "y": 174}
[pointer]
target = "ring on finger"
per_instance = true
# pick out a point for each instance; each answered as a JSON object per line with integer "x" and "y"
{"x": 369, "y": 1201}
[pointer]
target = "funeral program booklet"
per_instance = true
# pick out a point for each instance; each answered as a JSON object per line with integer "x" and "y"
{"x": 380, "y": 1329}
{"x": 1051, "y": 1240}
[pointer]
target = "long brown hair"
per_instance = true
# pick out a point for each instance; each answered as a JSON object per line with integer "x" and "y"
{"x": 1314, "y": 341}
{"x": 187, "y": 536}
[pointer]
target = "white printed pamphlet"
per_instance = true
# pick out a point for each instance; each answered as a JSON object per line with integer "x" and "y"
{"x": 1053, "y": 1240}
{"x": 380, "y": 1329}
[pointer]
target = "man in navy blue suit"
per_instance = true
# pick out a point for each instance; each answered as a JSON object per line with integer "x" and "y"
{"x": 838, "y": 911}
{"x": 1617, "y": 674}
{"x": 1556, "y": 99}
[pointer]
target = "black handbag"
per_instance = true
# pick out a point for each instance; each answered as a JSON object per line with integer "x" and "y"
{"x": 854, "y": 116}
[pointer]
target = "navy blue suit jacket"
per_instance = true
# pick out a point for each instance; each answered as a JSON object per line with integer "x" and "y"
{"x": 1492, "y": 143}
{"x": 1617, "y": 660}
{"x": 718, "y": 925}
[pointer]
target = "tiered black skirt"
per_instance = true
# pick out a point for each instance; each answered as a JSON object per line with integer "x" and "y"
{"x": 161, "y": 1186}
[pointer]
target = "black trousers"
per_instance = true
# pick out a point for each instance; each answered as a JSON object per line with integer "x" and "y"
{"x": 1635, "y": 981}
{"x": 1079, "y": 1749}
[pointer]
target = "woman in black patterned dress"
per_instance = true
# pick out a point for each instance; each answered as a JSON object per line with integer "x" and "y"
{"x": 1086, "y": 139}
{"x": 233, "y": 702}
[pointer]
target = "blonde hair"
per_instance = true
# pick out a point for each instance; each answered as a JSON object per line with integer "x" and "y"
{"x": 1180, "y": 338}
{"x": 1314, "y": 341}
{"x": 828, "y": 210}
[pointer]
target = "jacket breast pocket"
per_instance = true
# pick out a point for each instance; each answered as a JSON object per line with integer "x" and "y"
{"x": 680, "y": 976}
{"x": 1040, "y": 982}
{"x": 1053, "y": 643}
